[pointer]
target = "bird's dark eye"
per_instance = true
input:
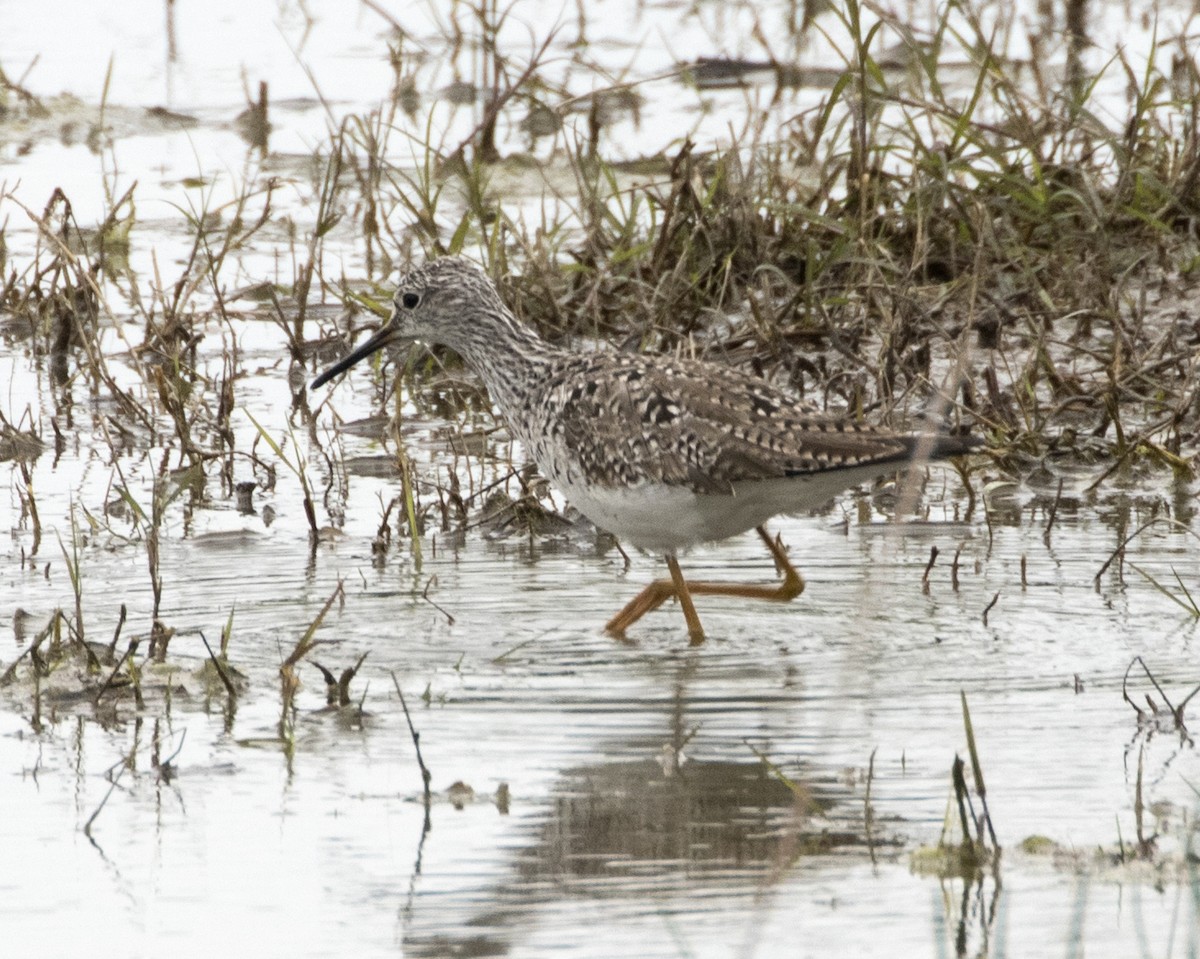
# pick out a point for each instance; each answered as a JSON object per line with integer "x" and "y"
{"x": 411, "y": 300}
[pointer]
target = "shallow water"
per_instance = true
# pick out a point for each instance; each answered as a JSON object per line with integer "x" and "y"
{"x": 325, "y": 846}
{"x": 645, "y": 799}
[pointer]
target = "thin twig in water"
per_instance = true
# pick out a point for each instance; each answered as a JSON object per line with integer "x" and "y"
{"x": 1176, "y": 711}
{"x": 217, "y": 663}
{"x": 868, "y": 815}
{"x": 512, "y": 649}
{"x": 1189, "y": 607}
{"x": 977, "y": 769}
{"x": 933, "y": 555}
{"x": 1179, "y": 709}
{"x": 112, "y": 647}
{"x": 425, "y": 596}
{"x": 132, "y": 648}
{"x": 1053, "y": 513}
{"x": 988, "y": 608}
{"x": 1150, "y": 676}
{"x": 87, "y": 828}
{"x": 1120, "y": 550}
{"x": 178, "y": 749}
{"x": 416, "y": 738}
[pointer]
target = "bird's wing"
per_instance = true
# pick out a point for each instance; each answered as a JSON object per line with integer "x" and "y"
{"x": 703, "y": 426}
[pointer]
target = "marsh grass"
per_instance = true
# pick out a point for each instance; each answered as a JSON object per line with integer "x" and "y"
{"x": 1002, "y": 252}
{"x": 991, "y": 248}
{"x": 942, "y": 230}
{"x": 974, "y": 848}
{"x": 897, "y": 227}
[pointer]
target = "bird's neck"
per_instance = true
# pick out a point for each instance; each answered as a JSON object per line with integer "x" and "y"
{"x": 509, "y": 356}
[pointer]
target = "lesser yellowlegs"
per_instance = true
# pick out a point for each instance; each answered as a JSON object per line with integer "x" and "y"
{"x": 663, "y": 453}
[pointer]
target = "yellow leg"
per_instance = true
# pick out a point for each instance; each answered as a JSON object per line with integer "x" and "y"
{"x": 695, "y": 630}
{"x": 793, "y": 583}
{"x": 650, "y": 598}
{"x": 659, "y": 591}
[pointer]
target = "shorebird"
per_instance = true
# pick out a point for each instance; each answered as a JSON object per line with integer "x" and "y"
{"x": 663, "y": 453}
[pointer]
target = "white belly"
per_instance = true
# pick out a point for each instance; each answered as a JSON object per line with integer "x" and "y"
{"x": 661, "y": 519}
{"x": 665, "y": 519}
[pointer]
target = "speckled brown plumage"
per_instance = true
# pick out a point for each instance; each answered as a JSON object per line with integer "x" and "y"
{"x": 620, "y": 420}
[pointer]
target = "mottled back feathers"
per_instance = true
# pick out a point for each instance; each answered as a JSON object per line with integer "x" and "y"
{"x": 631, "y": 419}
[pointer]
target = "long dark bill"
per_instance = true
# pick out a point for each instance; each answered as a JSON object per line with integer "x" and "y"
{"x": 386, "y": 334}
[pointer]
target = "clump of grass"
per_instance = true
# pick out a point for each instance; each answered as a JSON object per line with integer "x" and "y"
{"x": 289, "y": 677}
{"x": 900, "y": 223}
{"x": 998, "y": 221}
{"x": 62, "y": 672}
{"x": 977, "y": 846}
